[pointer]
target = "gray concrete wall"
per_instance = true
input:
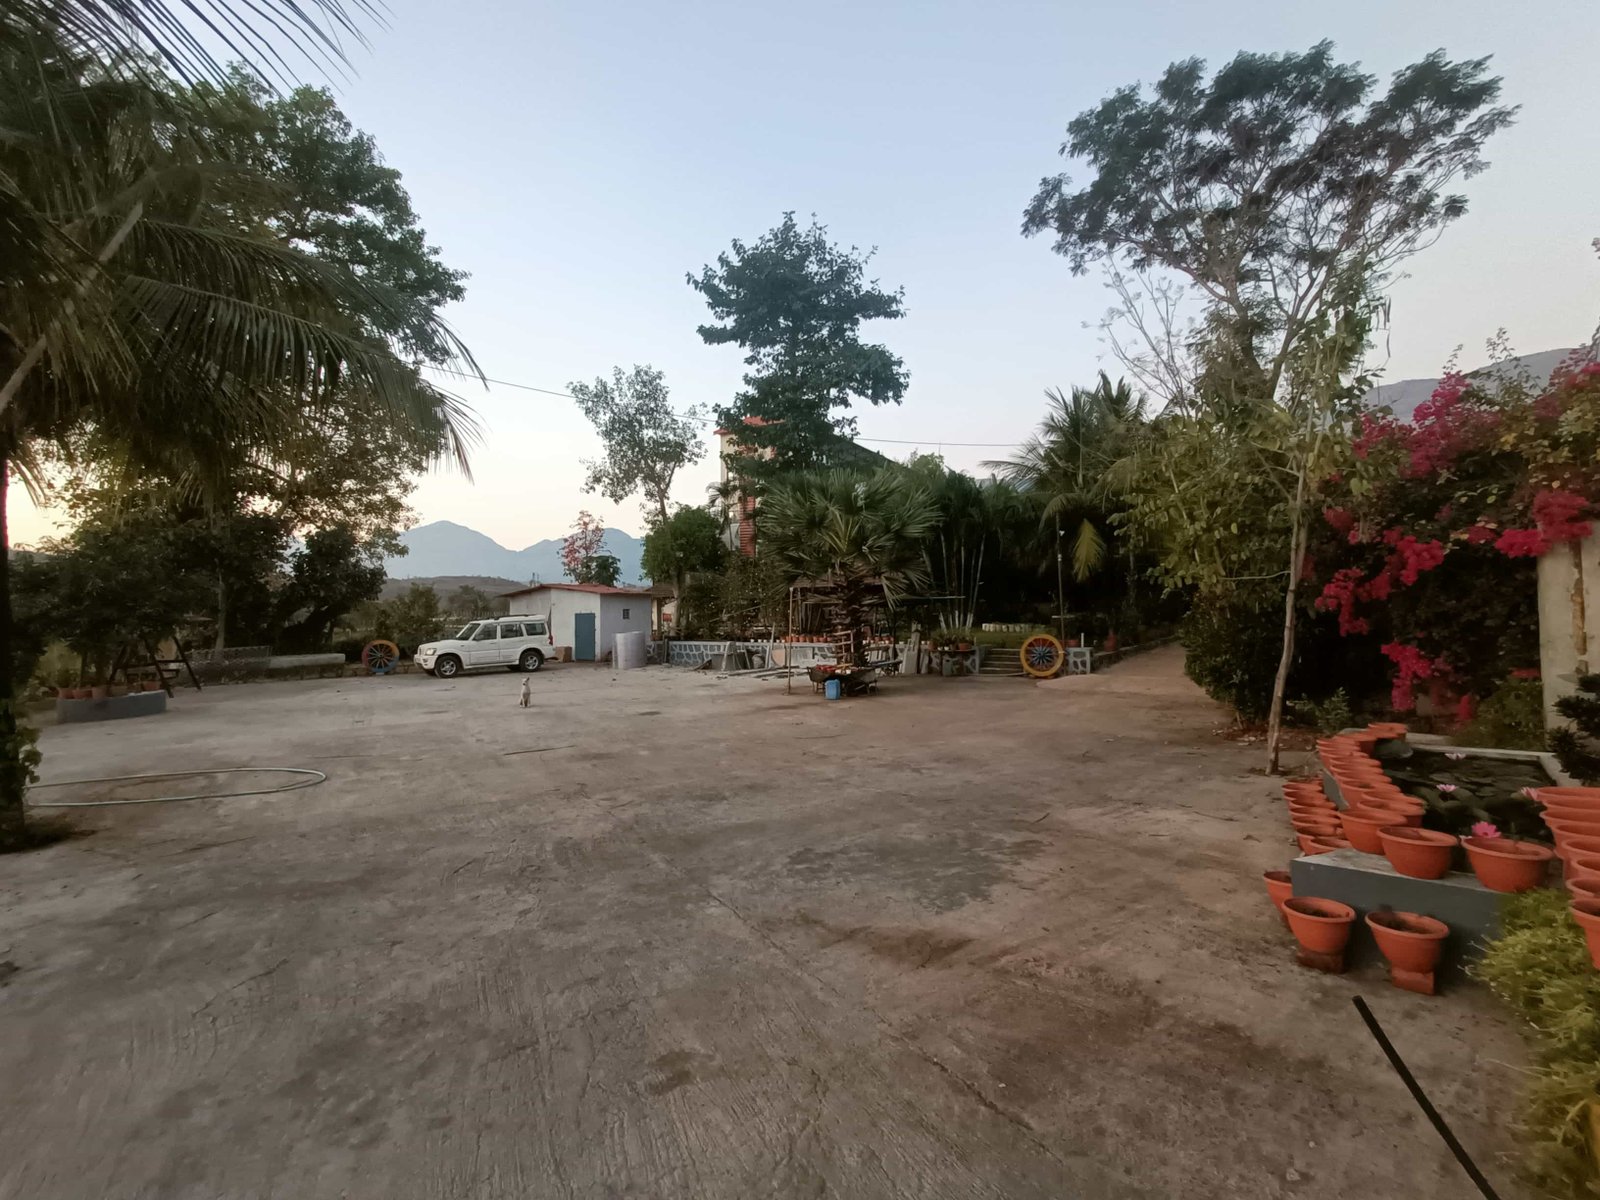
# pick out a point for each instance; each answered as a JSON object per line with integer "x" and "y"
{"x": 1569, "y": 618}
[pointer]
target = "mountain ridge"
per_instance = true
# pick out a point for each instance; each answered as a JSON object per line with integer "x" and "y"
{"x": 449, "y": 548}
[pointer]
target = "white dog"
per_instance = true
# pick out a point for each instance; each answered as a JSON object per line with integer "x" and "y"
{"x": 527, "y": 692}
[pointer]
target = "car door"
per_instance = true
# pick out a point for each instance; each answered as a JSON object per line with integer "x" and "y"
{"x": 513, "y": 641}
{"x": 484, "y": 648}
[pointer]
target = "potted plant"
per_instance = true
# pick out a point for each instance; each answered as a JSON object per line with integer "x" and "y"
{"x": 1320, "y": 926}
{"x": 1418, "y": 853}
{"x": 1505, "y": 864}
{"x": 1587, "y": 914}
{"x": 1279, "y": 888}
{"x": 1412, "y": 943}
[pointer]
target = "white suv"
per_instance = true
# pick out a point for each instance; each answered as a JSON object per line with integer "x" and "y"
{"x": 516, "y": 643}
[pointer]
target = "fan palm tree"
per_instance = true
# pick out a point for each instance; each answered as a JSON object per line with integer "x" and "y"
{"x": 1068, "y": 465}
{"x": 145, "y": 311}
{"x": 862, "y": 536}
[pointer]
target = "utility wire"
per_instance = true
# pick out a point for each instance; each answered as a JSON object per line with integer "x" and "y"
{"x": 528, "y": 387}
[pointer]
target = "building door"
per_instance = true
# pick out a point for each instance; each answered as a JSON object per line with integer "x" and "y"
{"x": 583, "y": 637}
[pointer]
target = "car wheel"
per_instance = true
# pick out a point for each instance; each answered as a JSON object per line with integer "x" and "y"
{"x": 447, "y": 667}
{"x": 531, "y": 660}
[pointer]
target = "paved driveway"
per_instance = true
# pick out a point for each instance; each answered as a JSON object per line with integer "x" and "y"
{"x": 663, "y": 935}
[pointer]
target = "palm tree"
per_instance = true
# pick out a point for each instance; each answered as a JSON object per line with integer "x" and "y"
{"x": 861, "y": 537}
{"x": 143, "y": 310}
{"x": 1068, "y": 465}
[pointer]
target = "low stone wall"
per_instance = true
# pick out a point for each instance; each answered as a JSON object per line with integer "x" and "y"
{"x": 111, "y": 708}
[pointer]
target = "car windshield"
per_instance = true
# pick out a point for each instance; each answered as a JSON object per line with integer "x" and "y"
{"x": 466, "y": 632}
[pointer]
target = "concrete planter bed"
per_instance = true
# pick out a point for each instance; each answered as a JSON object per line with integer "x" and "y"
{"x": 111, "y": 708}
{"x": 1396, "y": 779}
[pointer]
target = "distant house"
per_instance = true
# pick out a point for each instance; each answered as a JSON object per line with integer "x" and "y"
{"x": 585, "y": 616}
{"x": 1402, "y": 397}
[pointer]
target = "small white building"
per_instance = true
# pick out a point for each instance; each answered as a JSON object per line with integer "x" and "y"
{"x": 585, "y": 616}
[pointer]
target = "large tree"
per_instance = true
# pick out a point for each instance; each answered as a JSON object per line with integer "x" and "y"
{"x": 795, "y": 303}
{"x": 142, "y": 305}
{"x": 645, "y": 439}
{"x": 688, "y": 541}
{"x": 1281, "y": 194}
{"x": 1260, "y": 189}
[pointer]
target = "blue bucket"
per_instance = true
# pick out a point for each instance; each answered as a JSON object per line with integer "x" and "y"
{"x": 833, "y": 689}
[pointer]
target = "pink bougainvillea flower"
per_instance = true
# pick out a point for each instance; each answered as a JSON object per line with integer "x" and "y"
{"x": 1485, "y": 829}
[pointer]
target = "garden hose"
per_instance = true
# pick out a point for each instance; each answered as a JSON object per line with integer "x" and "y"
{"x": 312, "y": 779}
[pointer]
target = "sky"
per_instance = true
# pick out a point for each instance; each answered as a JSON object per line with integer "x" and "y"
{"x": 578, "y": 159}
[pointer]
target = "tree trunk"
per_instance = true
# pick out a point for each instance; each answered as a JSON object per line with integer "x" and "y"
{"x": 13, "y": 771}
{"x": 1297, "y": 551}
{"x": 221, "y": 641}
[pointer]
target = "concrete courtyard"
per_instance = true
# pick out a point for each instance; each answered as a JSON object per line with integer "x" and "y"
{"x": 665, "y": 935}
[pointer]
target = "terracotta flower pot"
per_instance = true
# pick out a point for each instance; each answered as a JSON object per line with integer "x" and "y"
{"x": 1583, "y": 866}
{"x": 1587, "y": 914}
{"x": 1419, "y": 853}
{"x": 1573, "y": 846}
{"x": 1361, "y": 827}
{"x": 1565, "y": 830}
{"x": 1318, "y": 843}
{"x": 1387, "y": 729}
{"x": 99, "y": 691}
{"x": 1279, "y": 888}
{"x": 1321, "y": 926}
{"x": 1410, "y": 941}
{"x": 1507, "y": 864}
{"x": 1317, "y": 828}
{"x": 1576, "y": 797}
{"x": 1585, "y": 888}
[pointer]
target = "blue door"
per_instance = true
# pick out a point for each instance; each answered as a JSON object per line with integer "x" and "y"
{"x": 583, "y": 637}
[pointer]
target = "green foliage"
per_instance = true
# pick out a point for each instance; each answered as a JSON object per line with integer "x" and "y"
{"x": 1512, "y": 718}
{"x": 985, "y": 541}
{"x": 1576, "y": 747}
{"x": 688, "y": 541}
{"x": 1540, "y": 966}
{"x": 108, "y": 584}
{"x": 1328, "y": 716}
{"x": 646, "y": 441}
{"x": 795, "y": 303}
{"x": 859, "y": 537}
{"x": 754, "y": 596}
{"x": 468, "y": 603}
{"x": 1263, "y": 186}
{"x": 411, "y": 618}
{"x": 603, "y": 569}
{"x": 1232, "y": 642}
{"x": 328, "y": 576}
{"x": 1068, "y": 468}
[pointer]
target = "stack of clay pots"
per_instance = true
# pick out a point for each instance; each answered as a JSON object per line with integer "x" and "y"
{"x": 1317, "y": 824}
{"x": 1378, "y": 819}
{"x": 1573, "y": 815}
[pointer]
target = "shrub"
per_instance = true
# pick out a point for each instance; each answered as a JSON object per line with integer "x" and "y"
{"x": 1327, "y": 717}
{"x": 1511, "y": 719}
{"x": 1232, "y": 646}
{"x": 1540, "y": 966}
{"x": 1575, "y": 748}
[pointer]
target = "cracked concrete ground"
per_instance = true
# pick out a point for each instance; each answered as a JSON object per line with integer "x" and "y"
{"x": 663, "y": 935}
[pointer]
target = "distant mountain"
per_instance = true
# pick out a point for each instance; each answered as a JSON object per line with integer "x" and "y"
{"x": 445, "y": 548}
{"x": 444, "y": 585}
{"x": 1403, "y": 396}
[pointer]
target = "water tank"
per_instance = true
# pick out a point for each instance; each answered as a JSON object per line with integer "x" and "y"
{"x": 630, "y": 652}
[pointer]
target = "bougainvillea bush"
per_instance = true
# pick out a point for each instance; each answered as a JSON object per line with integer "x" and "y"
{"x": 1429, "y": 539}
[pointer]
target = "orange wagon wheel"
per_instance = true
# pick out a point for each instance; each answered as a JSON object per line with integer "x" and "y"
{"x": 380, "y": 657}
{"x": 1042, "y": 656}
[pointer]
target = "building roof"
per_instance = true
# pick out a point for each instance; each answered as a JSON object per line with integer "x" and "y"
{"x": 598, "y": 589}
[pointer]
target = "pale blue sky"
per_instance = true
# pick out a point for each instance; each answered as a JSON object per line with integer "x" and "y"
{"x": 579, "y": 158}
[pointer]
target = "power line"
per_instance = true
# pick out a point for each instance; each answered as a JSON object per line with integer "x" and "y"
{"x": 528, "y": 387}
